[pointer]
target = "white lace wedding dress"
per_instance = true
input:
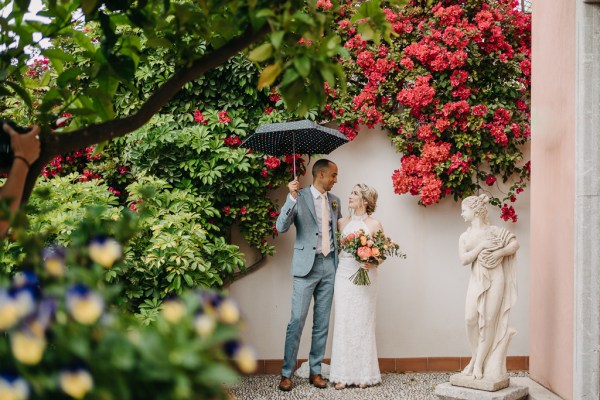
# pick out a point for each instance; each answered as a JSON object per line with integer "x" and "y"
{"x": 354, "y": 351}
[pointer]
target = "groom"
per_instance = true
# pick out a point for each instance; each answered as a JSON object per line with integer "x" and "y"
{"x": 315, "y": 212}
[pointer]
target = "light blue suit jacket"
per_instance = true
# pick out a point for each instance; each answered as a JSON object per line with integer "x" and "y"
{"x": 302, "y": 213}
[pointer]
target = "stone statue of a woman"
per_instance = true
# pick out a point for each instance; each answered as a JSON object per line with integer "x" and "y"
{"x": 492, "y": 291}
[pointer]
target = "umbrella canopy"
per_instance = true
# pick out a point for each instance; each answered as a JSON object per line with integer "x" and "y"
{"x": 297, "y": 137}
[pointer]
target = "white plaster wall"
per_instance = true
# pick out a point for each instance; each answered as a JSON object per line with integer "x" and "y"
{"x": 420, "y": 309}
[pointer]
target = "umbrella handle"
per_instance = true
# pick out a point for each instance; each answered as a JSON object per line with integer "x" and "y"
{"x": 294, "y": 153}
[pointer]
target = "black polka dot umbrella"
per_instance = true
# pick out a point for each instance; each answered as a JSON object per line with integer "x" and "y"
{"x": 296, "y": 137}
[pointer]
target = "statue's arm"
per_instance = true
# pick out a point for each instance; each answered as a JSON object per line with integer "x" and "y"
{"x": 467, "y": 257}
{"x": 510, "y": 249}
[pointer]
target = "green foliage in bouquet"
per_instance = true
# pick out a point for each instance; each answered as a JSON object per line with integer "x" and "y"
{"x": 67, "y": 336}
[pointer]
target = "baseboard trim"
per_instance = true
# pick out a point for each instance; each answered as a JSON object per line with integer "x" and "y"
{"x": 416, "y": 364}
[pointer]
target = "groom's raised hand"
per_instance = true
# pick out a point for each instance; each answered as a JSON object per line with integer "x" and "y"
{"x": 294, "y": 186}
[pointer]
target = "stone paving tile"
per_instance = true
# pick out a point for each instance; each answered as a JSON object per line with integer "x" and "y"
{"x": 409, "y": 386}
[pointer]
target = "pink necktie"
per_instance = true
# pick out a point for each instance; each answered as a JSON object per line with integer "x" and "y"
{"x": 325, "y": 225}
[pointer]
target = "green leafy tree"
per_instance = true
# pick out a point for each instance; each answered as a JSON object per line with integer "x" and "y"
{"x": 200, "y": 36}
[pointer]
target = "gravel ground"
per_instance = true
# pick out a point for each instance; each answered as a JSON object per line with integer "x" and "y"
{"x": 409, "y": 386}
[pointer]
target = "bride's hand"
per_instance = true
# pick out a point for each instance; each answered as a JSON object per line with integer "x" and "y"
{"x": 368, "y": 266}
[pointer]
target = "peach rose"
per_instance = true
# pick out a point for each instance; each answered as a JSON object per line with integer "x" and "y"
{"x": 363, "y": 240}
{"x": 375, "y": 252}
{"x": 364, "y": 252}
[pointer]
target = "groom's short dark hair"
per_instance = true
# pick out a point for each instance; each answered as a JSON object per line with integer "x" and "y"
{"x": 320, "y": 165}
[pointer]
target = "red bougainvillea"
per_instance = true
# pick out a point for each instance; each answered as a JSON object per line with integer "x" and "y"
{"x": 452, "y": 88}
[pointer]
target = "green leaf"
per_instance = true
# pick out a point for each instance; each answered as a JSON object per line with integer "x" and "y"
{"x": 366, "y": 31}
{"x": 54, "y": 54}
{"x": 5, "y": 92}
{"x": 67, "y": 76}
{"x": 268, "y": 75}
{"x": 21, "y": 92}
{"x": 156, "y": 42}
{"x": 302, "y": 17}
{"x": 51, "y": 97}
{"x": 328, "y": 75}
{"x": 219, "y": 373}
{"x": 302, "y": 65}
{"x": 84, "y": 41}
{"x": 290, "y": 75}
{"x": 277, "y": 38}
{"x": 261, "y": 53}
{"x": 265, "y": 13}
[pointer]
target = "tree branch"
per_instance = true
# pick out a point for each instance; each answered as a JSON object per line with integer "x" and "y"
{"x": 240, "y": 274}
{"x": 63, "y": 143}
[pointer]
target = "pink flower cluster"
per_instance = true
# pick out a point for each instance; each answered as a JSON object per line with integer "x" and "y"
{"x": 88, "y": 176}
{"x": 508, "y": 213}
{"x": 75, "y": 161}
{"x": 199, "y": 117}
{"x": 438, "y": 88}
{"x": 37, "y": 67}
{"x": 272, "y": 162}
{"x": 416, "y": 175}
{"x": 420, "y": 95}
{"x": 349, "y": 129}
{"x": 134, "y": 203}
{"x": 224, "y": 117}
{"x": 232, "y": 141}
{"x": 324, "y": 4}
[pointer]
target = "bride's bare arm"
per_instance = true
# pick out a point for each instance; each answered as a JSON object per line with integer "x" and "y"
{"x": 342, "y": 223}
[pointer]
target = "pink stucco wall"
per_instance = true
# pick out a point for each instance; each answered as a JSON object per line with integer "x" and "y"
{"x": 552, "y": 195}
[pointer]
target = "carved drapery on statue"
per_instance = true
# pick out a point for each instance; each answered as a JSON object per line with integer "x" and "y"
{"x": 494, "y": 366}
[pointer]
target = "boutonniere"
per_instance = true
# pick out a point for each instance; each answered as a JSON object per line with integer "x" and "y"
{"x": 334, "y": 205}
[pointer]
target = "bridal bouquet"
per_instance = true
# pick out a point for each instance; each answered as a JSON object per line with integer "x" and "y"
{"x": 368, "y": 249}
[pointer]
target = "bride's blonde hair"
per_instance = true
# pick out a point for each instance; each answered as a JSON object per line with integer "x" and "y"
{"x": 479, "y": 206}
{"x": 368, "y": 194}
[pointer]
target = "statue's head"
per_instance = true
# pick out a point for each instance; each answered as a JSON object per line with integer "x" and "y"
{"x": 475, "y": 207}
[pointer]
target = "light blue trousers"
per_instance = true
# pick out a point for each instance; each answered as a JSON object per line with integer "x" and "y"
{"x": 318, "y": 284}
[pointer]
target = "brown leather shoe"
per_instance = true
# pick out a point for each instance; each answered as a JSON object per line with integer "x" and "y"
{"x": 285, "y": 384}
{"x": 318, "y": 381}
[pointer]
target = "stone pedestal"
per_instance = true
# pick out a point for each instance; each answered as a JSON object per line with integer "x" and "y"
{"x": 479, "y": 384}
{"x": 446, "y": 391}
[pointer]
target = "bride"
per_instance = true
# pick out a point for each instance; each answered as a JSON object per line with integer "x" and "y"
{"x": 354, "y": 351}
